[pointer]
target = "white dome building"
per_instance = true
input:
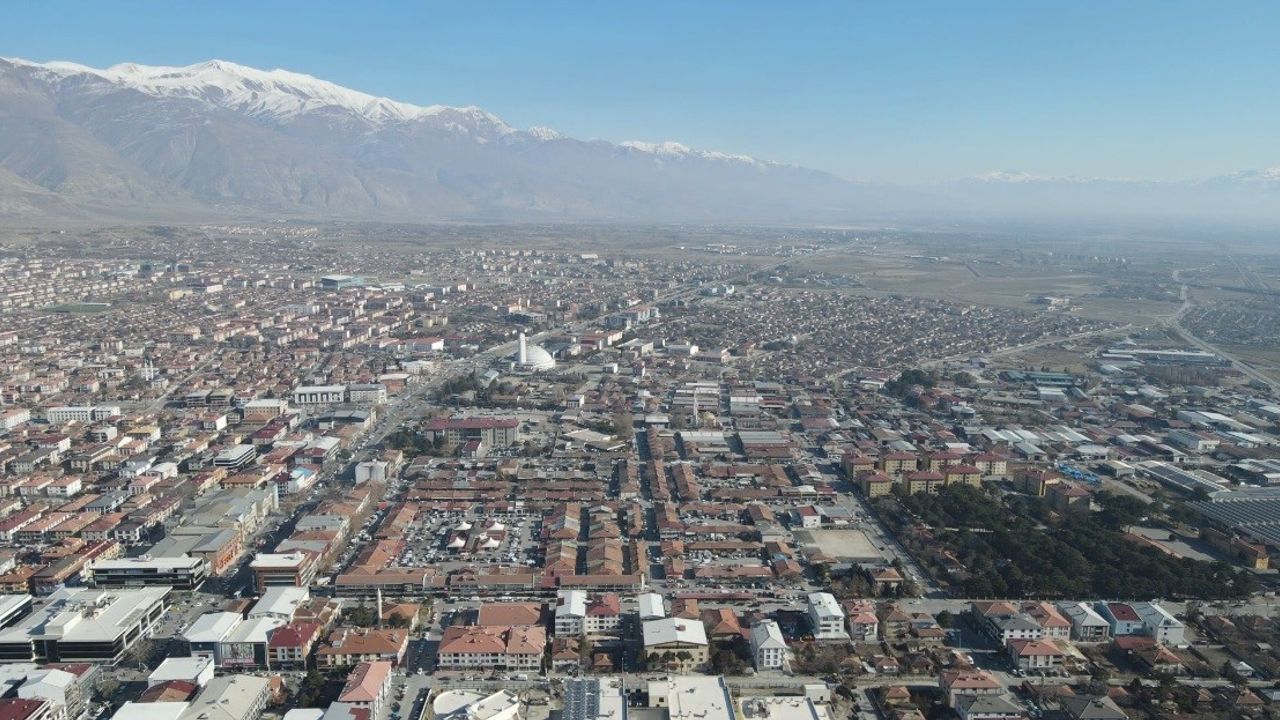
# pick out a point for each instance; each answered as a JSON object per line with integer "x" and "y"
{"x": 533, "y": 357}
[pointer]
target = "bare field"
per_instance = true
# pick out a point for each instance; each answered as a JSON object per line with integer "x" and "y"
{"x": 985, "y": 283}
{"x": 1054, "y": 358}
{"x": 1264, "y": 360}
{"x": 840, "y": 544}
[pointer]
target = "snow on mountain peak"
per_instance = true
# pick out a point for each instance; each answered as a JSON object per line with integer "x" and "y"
{"x": 671, "y": 149}
{"x": 539, "y": 132}
{"x": 1262, "y": 175}
{"x": 274, "y": 94}
{"x": 282, "y": 95}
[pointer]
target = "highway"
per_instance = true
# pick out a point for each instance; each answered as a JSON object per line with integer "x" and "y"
{"x": 1174, "y": 323}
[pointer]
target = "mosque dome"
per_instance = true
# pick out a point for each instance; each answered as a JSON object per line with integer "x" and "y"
{"x": 536, "y": 358}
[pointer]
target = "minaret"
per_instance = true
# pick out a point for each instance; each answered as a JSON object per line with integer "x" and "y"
{"x": 524, "y": 351}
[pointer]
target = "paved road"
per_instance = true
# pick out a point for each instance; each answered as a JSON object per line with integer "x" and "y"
{"x": 1174, "y": 323}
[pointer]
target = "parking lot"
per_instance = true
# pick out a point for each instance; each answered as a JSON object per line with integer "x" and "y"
{"x": 458, "y": 540}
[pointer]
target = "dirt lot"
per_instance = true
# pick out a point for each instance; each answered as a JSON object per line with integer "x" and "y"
{"x": 841, "y": 544}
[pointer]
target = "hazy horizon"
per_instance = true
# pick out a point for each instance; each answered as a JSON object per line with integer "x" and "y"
{"x": 909, "y": 95}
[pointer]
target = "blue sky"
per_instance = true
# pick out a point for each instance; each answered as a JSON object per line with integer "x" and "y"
{"x": 898, "y": 91}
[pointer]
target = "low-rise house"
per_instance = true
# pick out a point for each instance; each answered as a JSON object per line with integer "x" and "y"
{"x": 1034, "y": 654}
{"x": 968, "y": 682}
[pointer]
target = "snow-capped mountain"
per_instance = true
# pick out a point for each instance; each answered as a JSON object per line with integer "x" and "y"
{"x": 220, "y": 137}
{"x": 275, "y": 94}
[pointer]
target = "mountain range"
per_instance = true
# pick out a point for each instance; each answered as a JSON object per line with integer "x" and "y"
{"x": 217, "y": 139}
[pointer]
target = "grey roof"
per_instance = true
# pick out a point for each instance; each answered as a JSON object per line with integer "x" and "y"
{"x": 1092, "y": 708}
{"x": 977, "y": 704}
{"x": 1256, "y": 515}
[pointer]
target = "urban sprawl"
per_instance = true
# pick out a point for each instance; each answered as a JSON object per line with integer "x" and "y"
{"x": 252, "y": 477}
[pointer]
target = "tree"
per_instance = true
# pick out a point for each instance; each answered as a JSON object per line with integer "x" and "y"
{"x": 623, "y": 425}
{"x": 946, "y": 619}
{"x": 727, "y": 662}
{"x": 822, "y": 573}
{"x": 309, "y": 694}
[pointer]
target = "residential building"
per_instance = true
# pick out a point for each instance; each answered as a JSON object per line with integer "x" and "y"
{"x": 1160, "y": 624}
{"x": 346, "y": 647}
{"x": 494, "y": 432}
{"x": 290, "y": 645}
{"x": 768, "y": 648}
{"x": 368, "y": 687}
{"x": 1034, "y": 654}
{"x": 968, "y": 682}
{"x": 492, "y": 647}
{"x": 1084, "y": 707}
{"x": 1122, "y": 618}
{"x": 1087, "y": 626}
{"x": 826, "y": 617}
{"x": 676, "y": 644}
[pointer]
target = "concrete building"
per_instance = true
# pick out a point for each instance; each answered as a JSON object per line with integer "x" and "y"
{"x": 181, "y": 573}
{"x": 651, "y": 606}
{"x": 768, "y": 648}
{"x": 80, "y": 413}
{"x": 494, "y": 432}
{"x": 492, "y": 647}
{"x": 83, "y": 625}
{"x": 692, "y": 697}
{"x": 277, "y": 569}
{"x": 826, "y": 617}
{"x": 195, "y": 670}
{"x": 675, "y": 644}
{"x": 571, "y": 612}
{"x": 205, "y": 636}
{"x": 320, "y": 395}
{"x": 1087, "y": 626}
{"x": 368, "y": 687}
{"x": 367, "y": 393}
{"x": 470, "y": 705}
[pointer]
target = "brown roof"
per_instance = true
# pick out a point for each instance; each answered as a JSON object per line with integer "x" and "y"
{"x": 169, "y": 691}
{"x": 505, "y": 614}
{"x": 524, "y": 640}
{"x": 364, "y": 684}
{"x": 721, "y": 621}
{"x": 364, "y": 642}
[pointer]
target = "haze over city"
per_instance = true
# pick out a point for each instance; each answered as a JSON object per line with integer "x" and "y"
{"x": 580, "y": 361}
